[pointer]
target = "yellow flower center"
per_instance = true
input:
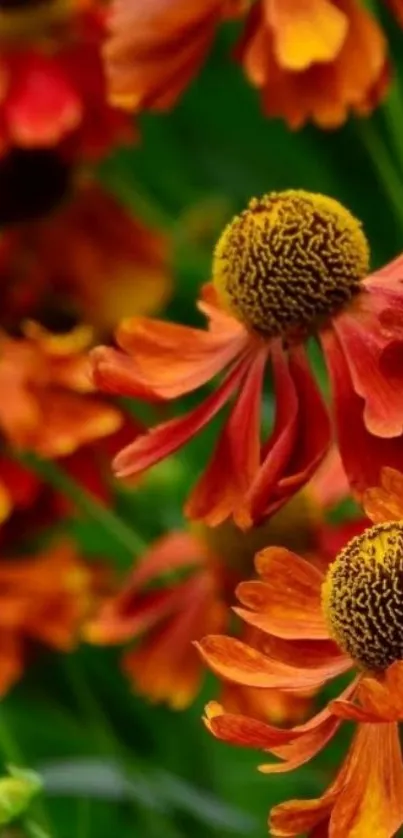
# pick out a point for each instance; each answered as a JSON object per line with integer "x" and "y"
{"x": 363, "y": 597}
{"x": 288, "y": 261}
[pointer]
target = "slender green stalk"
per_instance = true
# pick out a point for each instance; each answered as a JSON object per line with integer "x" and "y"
{"x": 388, "y": 175}
{"x": 393, "y": 113}
{"x": 104, "y": 517}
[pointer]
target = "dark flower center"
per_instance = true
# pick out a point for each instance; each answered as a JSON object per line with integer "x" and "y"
{"x": 288, "y": 261}
{"x": 363, "y": 597}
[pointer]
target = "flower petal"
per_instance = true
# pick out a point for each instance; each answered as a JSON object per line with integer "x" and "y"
{"x": 363, "y": 343}
{"x": 221, "y": 490}
{"x": 306, "y": 34}
{"x": 171, "y": 359}
{"x": 289, "y": 605}
{"x": 242, "y": 730}
{"x": 363, "y": 454}
{"x": 236, "y": 661}
{"x": 165, "y": 439}
{"x": 317, "y": 732}
{"x": 385, "y": 503}
{"x": 371, "y": 799}
{"x": 294, "y": 449}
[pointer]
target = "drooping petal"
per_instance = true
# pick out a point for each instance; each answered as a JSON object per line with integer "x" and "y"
{"x": 317, "y": 732}
{"x": 171, "y": 359}
{"x": 165, "y": 439}
{"x": 295, "y": 447}
{"x": 236, "y": 661}
{"x": 221, "y": 490}
{"x": 366, "y": 798}
{"x": 380, "y": 697}
{"x": 242, "y": 730}
{"x": 363, "y": 454}
{"x": 370, "y": 802}
{"x": 288, "y": 605}
{"x": 363, "y": 343}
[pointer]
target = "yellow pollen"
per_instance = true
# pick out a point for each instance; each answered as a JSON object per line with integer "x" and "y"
{"x": 290, "y": 260}
{"x": 362, "y": 597}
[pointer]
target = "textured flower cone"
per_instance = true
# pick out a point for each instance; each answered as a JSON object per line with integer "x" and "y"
{"x": 315, "y": 626}
{"x": 293, "y": 265}
{"x": 315, "y": 61}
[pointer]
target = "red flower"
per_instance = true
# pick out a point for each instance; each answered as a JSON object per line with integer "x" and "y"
{"x": 292, "y": 266}
{"x": 52, "y": 82}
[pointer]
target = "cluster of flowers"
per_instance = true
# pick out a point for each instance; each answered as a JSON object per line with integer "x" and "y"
{"x": 70, "y": 255}
{"x": 290, "y": 270}
{"x": 314, "y": 60}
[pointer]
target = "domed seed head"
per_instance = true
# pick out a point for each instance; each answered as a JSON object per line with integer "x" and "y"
{"x": 290, "y": 260}
{"x": 363, "y": 597}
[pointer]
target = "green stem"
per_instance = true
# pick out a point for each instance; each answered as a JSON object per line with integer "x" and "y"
{"x": 384, "y": 165}
{"x": 393, "y": 113}
{"x": 104, "y": 517}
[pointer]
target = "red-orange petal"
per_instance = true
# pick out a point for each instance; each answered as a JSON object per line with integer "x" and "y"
{"x": 165, "y": 439}
{"x": 363, "y": 343}
{"x": 236, "y": 661}
{"x": 173, "y": 359}
{"x": 289, "y": 604}
{"x": 223, "y": 486}
{"x": 363, "y": 454}
{"x": 385, "y": 502}
{"x": 242, "y": 730}
{"x": 317, "y": 732}
{"x": 293, "y": 450}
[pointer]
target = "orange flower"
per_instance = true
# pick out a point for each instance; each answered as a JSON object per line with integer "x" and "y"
{"x": 315, "y": 60}
{"x": 43, "y": 599}
{"x": 182, "y": 587}
{"x": 317, "y": 626}
{"x": 90, "y": 260}
{"x": 291, "y": 266}
{"x": 155, "y": 49}
{"x": 52, "y": 80}
{"x": 49, "y": 408}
